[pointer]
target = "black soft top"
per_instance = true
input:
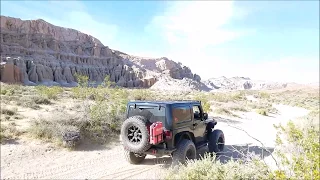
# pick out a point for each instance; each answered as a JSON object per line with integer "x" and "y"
{"x": 164, "y": 102}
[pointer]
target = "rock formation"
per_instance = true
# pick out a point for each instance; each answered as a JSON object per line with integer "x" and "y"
{"x": 37, "y": 52}
{"x": 241, "y": 83}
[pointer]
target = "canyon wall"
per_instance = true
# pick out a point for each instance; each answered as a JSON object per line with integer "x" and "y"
{"x": 37, "y": 52}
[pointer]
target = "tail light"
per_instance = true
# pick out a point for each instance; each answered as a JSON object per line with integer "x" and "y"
{"x": 168, "y": 134}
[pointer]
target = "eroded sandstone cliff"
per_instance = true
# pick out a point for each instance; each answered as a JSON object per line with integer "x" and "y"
{"x": 37, "y": 52}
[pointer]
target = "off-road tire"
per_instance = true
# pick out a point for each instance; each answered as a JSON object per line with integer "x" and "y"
{"x": 139, "y": 122}
{"x": 133, "y": 158}
{"x": 184, "y": 147}
{"x": 216, "y": 141}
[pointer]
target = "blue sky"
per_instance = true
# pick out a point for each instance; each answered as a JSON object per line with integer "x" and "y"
{"x": 266, "y": 40}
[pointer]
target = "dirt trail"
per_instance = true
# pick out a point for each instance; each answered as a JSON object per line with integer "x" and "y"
{"x": 28, "y": 160}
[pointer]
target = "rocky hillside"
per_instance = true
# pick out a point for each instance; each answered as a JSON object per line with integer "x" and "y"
{"x": 238, "y": 83}
{"x": 37, "y": 52}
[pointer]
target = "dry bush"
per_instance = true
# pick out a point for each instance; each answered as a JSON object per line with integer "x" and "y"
{"x": 8, "y": 132}
{"x": 9, "y": 112}
{"x": 224, "y": 111}
{"x": 304, "y": 98}
{"x": 52, "y": 129}
{"x": 33, "y": 102}
{"x": 209, "y": 168}
{"x": 262, "y": 112}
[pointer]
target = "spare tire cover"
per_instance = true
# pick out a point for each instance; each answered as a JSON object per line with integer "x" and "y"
{"x": 135, "y": 135}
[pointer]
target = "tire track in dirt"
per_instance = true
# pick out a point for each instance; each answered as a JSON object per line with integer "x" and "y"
{"x": 105, "y": 164}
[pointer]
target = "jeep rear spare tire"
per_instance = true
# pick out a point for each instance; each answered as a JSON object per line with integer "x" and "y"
{"x": 135, "y": 135}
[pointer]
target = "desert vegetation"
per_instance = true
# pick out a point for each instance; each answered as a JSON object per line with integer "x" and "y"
{"x": 297, "y": 151}
{"x": 96, "y": 113}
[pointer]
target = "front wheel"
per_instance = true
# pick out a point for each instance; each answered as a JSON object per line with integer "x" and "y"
{"x": 134, "y": 158}
{"x": 216, "y": 141}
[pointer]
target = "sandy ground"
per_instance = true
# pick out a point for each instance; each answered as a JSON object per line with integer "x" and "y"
{"x": 29, "y": 159}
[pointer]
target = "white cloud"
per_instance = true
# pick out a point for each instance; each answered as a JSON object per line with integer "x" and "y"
{"x": 193, "y": 29}
{"x": 196, "y": 24}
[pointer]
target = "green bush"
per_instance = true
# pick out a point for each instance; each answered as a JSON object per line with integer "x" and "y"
{"x": 299, "y": 151}
{"x": 209, "y": 168}
{"x": 83, "y": 81}
{"x": 49, "y": 92}
{"x": 204, "y": 102}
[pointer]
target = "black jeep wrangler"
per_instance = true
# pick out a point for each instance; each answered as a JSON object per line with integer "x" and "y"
{"x": 176, "y": 128}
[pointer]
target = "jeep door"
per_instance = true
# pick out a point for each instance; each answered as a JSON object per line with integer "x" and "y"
{"x": 199, "y": 125}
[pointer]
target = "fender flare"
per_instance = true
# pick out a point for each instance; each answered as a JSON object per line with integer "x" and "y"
{"x": 211, "y": 125}
{"x": 183, "y": 135}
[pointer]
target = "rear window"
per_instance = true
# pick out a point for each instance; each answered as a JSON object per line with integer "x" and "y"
{"x": 181, "y": 114}
{"x": 154, "y": 114}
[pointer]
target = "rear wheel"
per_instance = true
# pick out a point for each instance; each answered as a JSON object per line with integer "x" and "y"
{"x": 216, "y": 142}
{"x": 185, "y": 150}
{"x": 134, "y": 158}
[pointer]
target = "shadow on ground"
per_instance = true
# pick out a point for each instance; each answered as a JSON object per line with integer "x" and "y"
{"x": 10, "y": 141}
{"x": 235, "y": 152}
{"x": 89, "y": 145}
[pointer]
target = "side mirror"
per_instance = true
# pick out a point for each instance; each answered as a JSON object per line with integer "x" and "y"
{"x": 205, "y": 116}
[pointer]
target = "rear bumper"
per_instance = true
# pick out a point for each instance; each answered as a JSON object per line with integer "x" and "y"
{"x": 155, "y": 151}
{"x": 159, "y": 152}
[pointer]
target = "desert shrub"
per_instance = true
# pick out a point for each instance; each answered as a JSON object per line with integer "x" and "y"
{"x": 13, "y": 89}
{"x": 141, "y": 94}
{"x": 82, "y": 80}
{"x": 9, "y": 112}
{"x": 33, "y": 101}
{"x": 41, "y": 100}
{"x": 262, "y": 112}
{"x": 107, "y": 83}
{"x": 8, "y": 132}
{"x": 302, "y": 98}
{"x": 224, "y": 111}
{"x": 204, "y": 102}
{"x": 235, "y": 107}
{"x": 98, "y": 121}
{"x": 3, "y": 91}
{"x": 52, "y": 129}
{"x": 262, "y": 95}
{"x": 226, "y": 97}
{"x": 299, "y": 151}
{"x": 209, "y": 168}
{"x": 49, "y": 92}
{"x": 108, "y": 115}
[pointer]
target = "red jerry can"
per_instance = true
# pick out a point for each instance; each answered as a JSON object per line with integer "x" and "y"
{"x": 156, "y": 133}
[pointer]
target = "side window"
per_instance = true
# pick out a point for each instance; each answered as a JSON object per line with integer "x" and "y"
{"x": 181, "y": 114}
{"x": 196, "y": 112}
